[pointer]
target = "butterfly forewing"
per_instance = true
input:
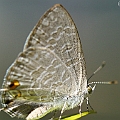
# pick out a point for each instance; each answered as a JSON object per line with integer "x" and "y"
{"x": 50, "y": 67}
{"x": 57, "y": 32}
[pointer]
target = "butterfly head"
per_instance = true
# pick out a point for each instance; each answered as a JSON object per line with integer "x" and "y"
{"x": 90, "y": 89}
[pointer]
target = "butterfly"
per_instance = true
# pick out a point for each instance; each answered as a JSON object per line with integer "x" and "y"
{"x": 50, "y": 73}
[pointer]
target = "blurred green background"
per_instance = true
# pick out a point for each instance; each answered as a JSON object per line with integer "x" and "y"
{"x": 98, "y": 23}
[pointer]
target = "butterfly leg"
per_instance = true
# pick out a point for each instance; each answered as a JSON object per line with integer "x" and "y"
{"x": 88, "y": 105}
{"x": 80, "y": 111}
{"x": 80, "y": 107}
{"x": 62, "y": 110}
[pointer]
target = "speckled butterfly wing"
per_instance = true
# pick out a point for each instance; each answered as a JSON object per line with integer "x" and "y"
{"x": 50, "y": 67}
{"x": 57, "y": 32}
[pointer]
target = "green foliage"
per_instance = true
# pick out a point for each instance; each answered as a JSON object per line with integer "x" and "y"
{"x": 78, "y": 116}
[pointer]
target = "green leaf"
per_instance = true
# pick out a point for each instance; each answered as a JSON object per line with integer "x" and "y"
{"x": 78, "y": 116}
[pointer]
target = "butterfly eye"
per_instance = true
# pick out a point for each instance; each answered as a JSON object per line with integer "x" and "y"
{"x": 13, "y": 84}
{"x": 89, "y": 89}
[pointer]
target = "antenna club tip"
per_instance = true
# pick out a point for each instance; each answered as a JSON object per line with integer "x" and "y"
{"x": 114, "y": 82}
{"x": 103, "y": 63}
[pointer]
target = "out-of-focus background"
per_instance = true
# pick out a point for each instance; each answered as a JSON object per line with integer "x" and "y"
{"x": 98, "y": 23}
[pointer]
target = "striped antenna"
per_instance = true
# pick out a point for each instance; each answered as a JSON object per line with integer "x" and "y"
{"x": 98, "y": 69}
{"x": 108, "y": 83}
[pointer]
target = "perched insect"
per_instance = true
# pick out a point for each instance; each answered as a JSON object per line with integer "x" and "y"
{"x": 50, "y": 73}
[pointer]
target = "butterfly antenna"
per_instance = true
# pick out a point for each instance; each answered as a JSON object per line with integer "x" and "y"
{"x": 98, "y": 69}
{"x": 108, "y": 83}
